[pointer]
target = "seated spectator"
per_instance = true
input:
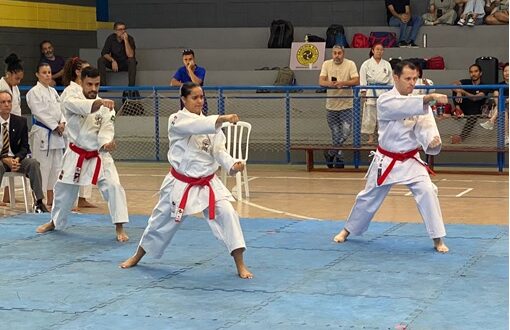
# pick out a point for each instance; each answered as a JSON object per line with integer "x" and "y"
{"x": 118, "y": 54}
{"x": 472, "y": 13}
{"x": 499, "y": 15}
{"x": 56, "y": 62}
{"x": 468, "y": 103}
{"x": 440, "y": 12}
{"x": 189, "y": 72}
{"x": 489, "y": 124}
{"x": 422, "y": 82}
{"x": 398, "y": 14}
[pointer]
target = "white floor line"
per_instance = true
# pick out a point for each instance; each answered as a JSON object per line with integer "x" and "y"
{"x": 278, "y": 211}
{"x": 464, "y": 192}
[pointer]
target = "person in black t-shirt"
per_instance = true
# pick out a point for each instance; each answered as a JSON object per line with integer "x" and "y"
{"x": 468, "y": 103}
{"x": 55, "y": 62}
{"x": 118, "y": 54}
{"x": 489, "y": 124}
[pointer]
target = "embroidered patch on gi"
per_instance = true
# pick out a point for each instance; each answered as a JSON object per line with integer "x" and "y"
{"x": 206, "y": 145}
{"x": 98, "y": 119}
{"x": 61, "y": 175}
{"x": 112, "y": 118}
{"x": 173, "y": 120}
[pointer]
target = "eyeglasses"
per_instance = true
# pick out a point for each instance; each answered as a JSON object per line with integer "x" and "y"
{"x": 120, "y": 29}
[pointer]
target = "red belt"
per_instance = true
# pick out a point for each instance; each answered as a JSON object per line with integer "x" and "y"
{"x": 85, "y": 154}
{"x": 205, "y": 181}
{"x": 400, "y": 157}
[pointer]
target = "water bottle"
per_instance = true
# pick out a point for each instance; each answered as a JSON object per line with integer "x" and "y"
{"x": 424, "y": 40}
{"x": 306, "y": 37}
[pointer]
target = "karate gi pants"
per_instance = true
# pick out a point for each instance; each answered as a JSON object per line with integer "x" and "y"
{"x": 369, "y": 119}
{"x": 370, "y": 199}
{"x": 162, "y": 226}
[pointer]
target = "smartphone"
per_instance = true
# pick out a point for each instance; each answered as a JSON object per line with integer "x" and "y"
{"x": 333, "y": 78}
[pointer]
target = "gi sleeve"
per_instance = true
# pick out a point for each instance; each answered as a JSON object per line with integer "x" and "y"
{"x": 184, "y": 125}
{"x": 41, "y": 109}
{"x": 393, "y": 106}
{"x": 425, "y": 130}
{"x": 220, "y": 153}
{"x": 78, "y": 105}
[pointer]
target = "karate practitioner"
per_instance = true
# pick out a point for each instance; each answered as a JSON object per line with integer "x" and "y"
{"x": 87, "y": 159}
{"x": 46, "y": 135}
{"x": 405, "y": 123}
{"x": 71, "y": 79}
{"x": 374, "y": 71}
{"x": 197, "y": 148}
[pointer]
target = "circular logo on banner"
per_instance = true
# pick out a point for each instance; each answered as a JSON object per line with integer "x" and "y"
{"x": 307, "y": 54}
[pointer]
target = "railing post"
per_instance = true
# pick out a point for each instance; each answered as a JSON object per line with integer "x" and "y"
{"x": 221, "y": 102}
{"x": 501, "y": 134}
{"x": 156, "y": 122}
{"x": 356, "y": 127}
{"x": 287, "y": 126}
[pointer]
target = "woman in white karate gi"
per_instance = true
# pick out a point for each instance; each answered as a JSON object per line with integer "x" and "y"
{"x": 71, "y": 79}
{"x": 197, "y": 149}
{"x": 46, "y": 135}
{"x": 405, "y": 123}
{"x": 374, "y": 71}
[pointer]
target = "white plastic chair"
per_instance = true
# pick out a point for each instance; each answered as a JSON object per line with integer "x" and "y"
{"x": 238, "y": 141}
{"x": 25, "y": 183}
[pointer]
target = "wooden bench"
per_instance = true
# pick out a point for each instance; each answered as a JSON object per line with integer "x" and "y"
{"x": 310, "y": 148}
{"x": 459, "y": 148}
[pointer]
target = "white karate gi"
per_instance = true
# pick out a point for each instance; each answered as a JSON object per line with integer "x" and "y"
{"x": 196, "y": 148}
{"x": 421, "y": 82}
{"x": 403, "y": 126}
{"x": 89, "y": 131}
{"x": 75, "y": 90}
{"x": 47, "y": 146}
{"x": 373, "y": 73}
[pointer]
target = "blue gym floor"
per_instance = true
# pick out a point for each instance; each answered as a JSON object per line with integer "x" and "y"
{"x": 389, "y": 278}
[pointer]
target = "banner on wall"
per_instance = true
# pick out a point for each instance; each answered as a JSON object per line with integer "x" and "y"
{"x": 307, "y": 55}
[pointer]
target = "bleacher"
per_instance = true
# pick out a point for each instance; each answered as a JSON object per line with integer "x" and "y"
{"x": 233, "y": 55}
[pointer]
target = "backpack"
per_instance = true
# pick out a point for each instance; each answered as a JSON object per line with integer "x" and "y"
{"x": 285, "y": 77}
{"x": 313, "y": 38}
{"x": 387, "y": 39}
{"x": 282, "y": 34}
{"x": 359, "y": 40}
{"x": 335, "y": 35}
{"x": 435, "y": 63}
{"x": 394, "y": 61}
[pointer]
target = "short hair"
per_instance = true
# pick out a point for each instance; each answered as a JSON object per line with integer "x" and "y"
{"x": 399, "y": 67}
{"x": 476, "y": 65}
{"x": 117, "y": 24}
{"x": 505, "y": 65}
{"x": 89, "y": 72}
{"x": 6, "y": 91}
{"x": 338, "y": 46}
{"x": 187, "y": 87}
{"x": 188, "y": 52}
{"x": 44, "y": 42}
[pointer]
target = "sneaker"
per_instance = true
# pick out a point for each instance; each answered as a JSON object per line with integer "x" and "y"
{"x": 339, "y": 163}
{"x": 487, "y": 125}
{"x": 329, "y": 159}
{"x": 429, "y": 23}
{"x": 470, "y": 22}
{"x": 413, "y": 45}
{"x": 402, "y": 44}
{"x": 461, "y": 22}
{"x": 40, "y": 208}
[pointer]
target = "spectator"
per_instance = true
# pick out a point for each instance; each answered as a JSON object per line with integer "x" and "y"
{"x": 440, "y": 12}
{"x": 468, "y": 103}
{"x": 398, "y": 14}
{"x": 338, "y": 74}
{"x": 499, "y": 15}
{"x": 56, "y": 62}
{"x": 473, "y": 12}
{"x": 118, "y": 54}
{"x": 374, "y": 71}
{"x": 489, "y": 124}
{"x": 189, "y": 72}
{"x": 422, "y": 82}
{"x": 47, "y": 132}
{"x": 14, "y": 153}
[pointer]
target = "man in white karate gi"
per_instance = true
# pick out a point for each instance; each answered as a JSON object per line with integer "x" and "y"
{"x": 406, "y": 123}
{"x": 87, "y": 159}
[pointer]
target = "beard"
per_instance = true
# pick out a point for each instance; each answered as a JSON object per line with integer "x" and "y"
{"x": 91, "y": 95}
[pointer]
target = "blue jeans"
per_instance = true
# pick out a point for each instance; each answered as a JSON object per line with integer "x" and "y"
{"x": 409, "y": 31}
{"x": 339, "y": 123}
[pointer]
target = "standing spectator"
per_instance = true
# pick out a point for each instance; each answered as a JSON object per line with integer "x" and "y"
{"x": 398, "y": 13}
{"x": 56, "y": 62}
{"x": 339, "y": 75}
{"x": 499, "y": 15}
{"x": 468, "y": 103}
{"x": 118, "y": 54}
{"x": 489, "y": 124}
{"x": 440, "y": 12}
{"x": 473, "y": 12}
{"x": 374, "y": 71}
{"x": 47, "y": 132}
{"x": 422, "y": 82}
{"x": 189, "y": 72}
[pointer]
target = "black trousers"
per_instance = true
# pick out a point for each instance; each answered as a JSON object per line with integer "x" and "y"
{"x": 129, "y": 65}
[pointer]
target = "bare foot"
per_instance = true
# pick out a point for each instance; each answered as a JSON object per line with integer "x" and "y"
{"x": 82, "y": 202}
{"x": 121, "y": 233}
{"x": 440, "y": 246}
{"x": 134, "y": 260}
{"x": 242, "y": 270}
{"x": 75, "y": 209}
{"x": 341, "y": 236}
{"x": 49, "y": 226}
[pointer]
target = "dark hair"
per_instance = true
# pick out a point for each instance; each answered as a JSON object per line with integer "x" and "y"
{"x": 89, "y": 72}
{"x": 72, "y": 64}
{"x": 41, "y": 64}
{"x": 399, "y": 67}
{"x": 13, "y": 64}
{"x": 44, "y": 42}
{"x": 188, "y": 52}
{"x": 505, "y": 65}
{"x": 372, "y": 49}
{"x": 476, "y": 65}
{"x": 187, "y": 87}
{"x": 117, "y": 24}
